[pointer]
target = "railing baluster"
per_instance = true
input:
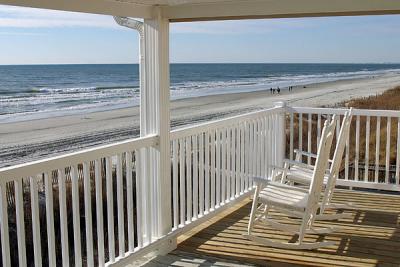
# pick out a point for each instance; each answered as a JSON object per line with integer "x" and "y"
{"x": 50, "y": 218}
{"x": 189, "y": 179}
{"x": 76, "y": 216}
{"x": 258, "y": 148}
{"x": 195, "y": 177}
{"x": 368, "y": 123}
{"x": 37, "y": 249}
{"x": 356, "y": 159}
{"x": 207, "y": 173}
{"x": 224, "y": 168}
{"x": 337, "y": 130}
{"x": 228, "y": 165}
{"x": 377, "y": 147}
{"x": 99, "y": 213}
{"x": 139, "y": 196}
{"x": 88, "y": 214}
{"x": 347, "y": 157}
{"x": 218, "y": 168}
{"x": 262, "y": 146}
{"x": 300, "y": 131}
{"x": 269, "y": 145}
{"x": 129, "y": 201}
{"x": 274, "y": 139}
{"x": 201, "y": 175}
{"x": 242, "y": 158}
{"x": 63, "y": 217}
{"x": 291, "y": 136}
{"x": 237, "y": 155}
{"x": 110, "y": 210}
{"x": 175, "y": 182}
{"x": 398, "y": 153}
{"x": 387, "y": 165}
{"x": 182, "y": 180}
{"x": 120, "y": 207}
{"x": 254, "y": 150}
{"x": 151, "y": 197}
{"x": 233, "y": 161}
{"x": 5, "y": 239}
{"x": 309, "y": 137}
{"x": 19, "y": 206}
{"x": 212, "y": 178}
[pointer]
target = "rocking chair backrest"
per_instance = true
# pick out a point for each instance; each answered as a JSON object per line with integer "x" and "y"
{"x": 320, "y": 166}
{"x": 340, "y": 146}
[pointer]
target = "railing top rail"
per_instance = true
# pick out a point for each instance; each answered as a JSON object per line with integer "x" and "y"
{"x": 70, "y": 159}
{"x": 194, "y": 129}
{"x": 341, "y": 111}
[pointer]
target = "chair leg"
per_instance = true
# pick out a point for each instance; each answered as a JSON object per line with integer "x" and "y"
{"x": 253, "y": 210}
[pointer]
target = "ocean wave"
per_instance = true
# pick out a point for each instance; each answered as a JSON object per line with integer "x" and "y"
{"x": 48, "y": 99}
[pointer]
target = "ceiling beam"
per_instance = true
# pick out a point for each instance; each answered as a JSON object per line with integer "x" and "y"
{"x": 105, "y": 7}
{"x": 253, "y": 9}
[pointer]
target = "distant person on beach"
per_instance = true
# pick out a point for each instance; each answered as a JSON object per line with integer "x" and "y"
{"x": 278, "y": 90}
{"x": 271, "y": 90}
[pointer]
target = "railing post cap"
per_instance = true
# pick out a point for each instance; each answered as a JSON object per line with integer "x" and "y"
{"x": 280, "y": 104}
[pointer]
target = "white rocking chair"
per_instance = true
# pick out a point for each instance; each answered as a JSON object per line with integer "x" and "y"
{"x": 291, "y": 200}
{"x": 300, "y": 173}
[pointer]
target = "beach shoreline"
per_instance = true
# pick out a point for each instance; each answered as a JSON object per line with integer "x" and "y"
{"x": 25, "y": 141}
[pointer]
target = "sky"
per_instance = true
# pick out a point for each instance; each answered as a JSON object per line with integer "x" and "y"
{"x": 36, "y": 36}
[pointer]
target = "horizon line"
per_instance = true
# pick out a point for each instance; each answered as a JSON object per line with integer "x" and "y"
{"x": 349, "y": 63}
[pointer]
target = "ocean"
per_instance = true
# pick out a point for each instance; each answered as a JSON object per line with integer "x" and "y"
{"x": 35, "y": 91}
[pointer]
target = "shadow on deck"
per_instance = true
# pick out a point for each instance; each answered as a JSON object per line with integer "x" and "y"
{"x": 371, "y": 237}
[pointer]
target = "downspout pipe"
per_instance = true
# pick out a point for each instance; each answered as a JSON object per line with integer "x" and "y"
{"x": 138, "y": 26}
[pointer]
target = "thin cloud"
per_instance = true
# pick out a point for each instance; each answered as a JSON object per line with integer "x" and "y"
{"x": 239, "y": 26}
{"x": 22, "y": 33}
{"x": 21, "y": 17}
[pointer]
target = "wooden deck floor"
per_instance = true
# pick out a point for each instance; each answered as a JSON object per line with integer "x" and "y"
{"x": 371, "y": 237}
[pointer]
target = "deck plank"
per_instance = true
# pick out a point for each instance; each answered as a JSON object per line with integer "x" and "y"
{"x": 370, "y": 237}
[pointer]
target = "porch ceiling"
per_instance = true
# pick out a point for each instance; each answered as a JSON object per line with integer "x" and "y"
{"x": 195, "y": 10}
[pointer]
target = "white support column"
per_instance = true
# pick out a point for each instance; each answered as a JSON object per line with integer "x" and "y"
{"x": 155, "y": 118}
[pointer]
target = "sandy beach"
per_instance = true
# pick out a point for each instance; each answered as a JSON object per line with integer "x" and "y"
{"x": 31, "y": 140}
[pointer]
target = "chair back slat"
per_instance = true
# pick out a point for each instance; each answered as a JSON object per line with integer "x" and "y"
{"x": 338, "y": 156}
{"x": 320, "y": 166}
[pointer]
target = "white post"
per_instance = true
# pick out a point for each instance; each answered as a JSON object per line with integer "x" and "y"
{"x": 281, "y": 132}
{"x": 155, "y": 119}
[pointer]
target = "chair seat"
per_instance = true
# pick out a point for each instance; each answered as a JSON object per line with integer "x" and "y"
{"x": 302, "y": 175}
{"x": 285, "y": 196}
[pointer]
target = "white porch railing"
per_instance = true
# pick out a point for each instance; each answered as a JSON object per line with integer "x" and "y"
{"x": 372, "y": 155}
{"x": 89, "y": 207}
{"x": 96, "y": 207}
{"x": 213, "y": 163}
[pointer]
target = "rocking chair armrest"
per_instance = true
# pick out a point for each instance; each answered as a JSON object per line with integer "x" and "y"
{"x": 308, "y": 154}
{"x": 298, "y": 163}
{"x": 274, "y": 167}
{"x": 261, "y": 180}
{"x": 305, "y": 153}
